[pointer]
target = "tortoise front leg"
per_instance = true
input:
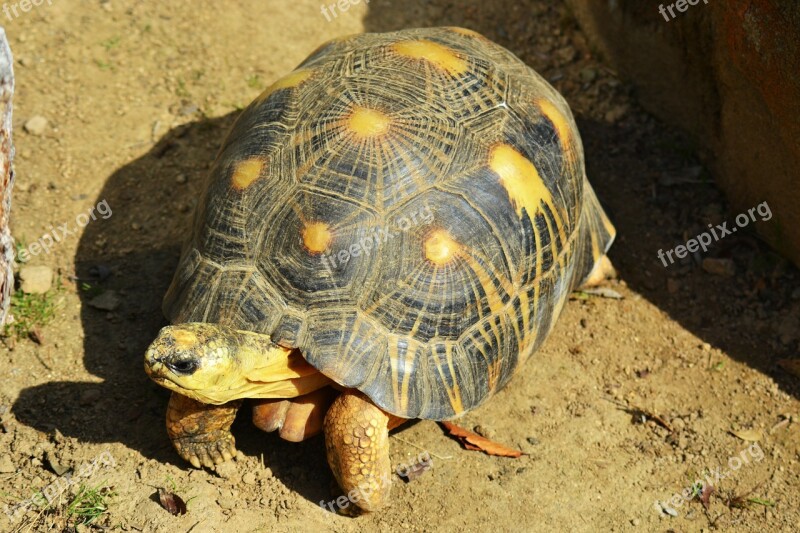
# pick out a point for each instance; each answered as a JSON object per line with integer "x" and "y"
{"x": 357, "y": 446}
{"x": 201, "y": 432}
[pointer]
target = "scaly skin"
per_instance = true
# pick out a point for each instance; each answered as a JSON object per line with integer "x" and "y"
{"x": 357, "y": 446}
{"x": 201, "y": 432}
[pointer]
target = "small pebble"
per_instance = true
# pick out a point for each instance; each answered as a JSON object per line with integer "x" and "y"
{"x": 485, "y": 431}
{"x": 181, "y": 179}
{"x": 249, "y": 478}
{"x": 36, "y": 279}
{"x": 108, "y": 301}
{"x": 36, "y": 125}
{"x": 7, "y": 465}
{"x": 226, "y": 502}
{"x": 719, "y": 267}
{"x": 226, "y": 470}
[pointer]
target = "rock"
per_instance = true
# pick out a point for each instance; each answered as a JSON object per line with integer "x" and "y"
{"x": 90, "y": 397}
{"x": 7, "y": 465}
{"x": 588, "y": 75}
{"x": 226, "y": 502}
{"x": 673, "y": 286}
{"x": 100, "y": 272}
{"x": 719, "y": 267}
{"x": 226, "y": 470}
{"x": 36, "y": 279}
{"x": 108, "y": 301}
{"x": 36, "y": 125}
{"x": 616, "y": 113}
{"x": 181, "y": 179}
{"x": 249, "y": 478}
{"x": 485, "y": 431}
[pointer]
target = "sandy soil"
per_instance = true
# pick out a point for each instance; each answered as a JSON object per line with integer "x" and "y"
{"x": 628, "y": 402}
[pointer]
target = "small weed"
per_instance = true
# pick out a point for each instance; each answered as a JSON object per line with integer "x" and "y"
{"x": 181, "y": 90}
{"x": 761, "y": 501}
{"x": 30, "y": 311}
{"x": 21, "y": 246}
{"x": 91, "y": 290}
{"x": 104, "y": 65}
{"x": 89, "y": 503}
{"x": 110, "y": 44}
{"x": 254, "y": 82}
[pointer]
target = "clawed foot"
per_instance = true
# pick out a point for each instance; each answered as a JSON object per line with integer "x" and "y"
{"x": 201, "y": 433}
{"x": 208, "y": 450}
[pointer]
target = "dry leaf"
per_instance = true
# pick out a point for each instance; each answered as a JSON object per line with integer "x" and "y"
{"x": 705, "y": 495}
{"x": 171, "y": 502}
{"x": 412, "y": 473}
{"x": 792, "y": 366}
{"x": 751, "y": 435}
{"x": 604, "y": 292}
{"x": 473, "y": 441}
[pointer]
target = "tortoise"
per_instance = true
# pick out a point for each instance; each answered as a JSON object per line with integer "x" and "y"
{"x": 387, "y": 233}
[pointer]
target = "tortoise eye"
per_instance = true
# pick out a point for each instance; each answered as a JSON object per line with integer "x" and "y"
{"x": 187, "y": 366}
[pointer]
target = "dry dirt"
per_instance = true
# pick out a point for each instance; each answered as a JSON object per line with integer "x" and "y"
{"x": 628, "y": 402}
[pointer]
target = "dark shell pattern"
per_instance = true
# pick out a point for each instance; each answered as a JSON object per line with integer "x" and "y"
{"x": 408, "y": 209}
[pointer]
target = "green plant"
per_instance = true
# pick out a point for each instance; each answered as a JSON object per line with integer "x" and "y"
{"x": 89, "y": 503}
{"x": 30, "y": 311}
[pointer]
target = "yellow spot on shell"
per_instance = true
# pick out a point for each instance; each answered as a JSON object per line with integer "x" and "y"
{"x": 562, "y": 126}
{"x": 317, "y": 237}
{"x": 525, "y": 188}
{"x": 246, "y": 172}
{"x": 466, "y": 31}
{"x": 293, "y": 79}
{"x": 439, "y": 56}
{"x": 440, "y": 248}
{"x": 520, "y": 179}
{"x": 366, "y": 122}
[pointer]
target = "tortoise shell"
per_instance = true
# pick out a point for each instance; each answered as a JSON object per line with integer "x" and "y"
{"x": 408, "y": 209}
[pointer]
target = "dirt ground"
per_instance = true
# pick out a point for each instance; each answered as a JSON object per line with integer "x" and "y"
{"x": 628, "y": 403}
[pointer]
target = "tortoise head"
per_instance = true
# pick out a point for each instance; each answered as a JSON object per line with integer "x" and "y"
{"x": 216, "y": 364}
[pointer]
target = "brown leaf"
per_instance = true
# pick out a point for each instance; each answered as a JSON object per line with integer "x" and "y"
{"x": 473, "y": 441}
{"x": 411, "y": 473}
{"x": 171, "y": 502}
{"x": 705, "y": 495}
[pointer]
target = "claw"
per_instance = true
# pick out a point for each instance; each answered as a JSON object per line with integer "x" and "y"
{"x": 227, "y": 455}
{"x": 195, "y": 462}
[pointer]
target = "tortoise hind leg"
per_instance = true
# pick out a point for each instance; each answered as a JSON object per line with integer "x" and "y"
{"x": 201, "y": 432}
{"x": 357, "y": 446}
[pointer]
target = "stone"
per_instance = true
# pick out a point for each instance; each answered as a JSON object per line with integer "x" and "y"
{"x": 108, "y": 301}
{"x": 36, "y": 279}
{"x": 719, "y": 267}
{"x": 7, "y": 465}
{"x": 36, "y": 125}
